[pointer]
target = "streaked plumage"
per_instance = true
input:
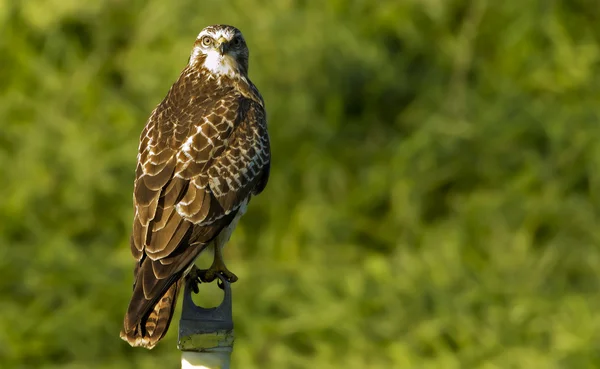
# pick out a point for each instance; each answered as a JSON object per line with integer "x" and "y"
{"x": 203, "y": 153}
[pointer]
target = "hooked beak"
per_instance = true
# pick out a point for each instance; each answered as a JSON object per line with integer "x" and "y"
{"x": 223, "y": 46}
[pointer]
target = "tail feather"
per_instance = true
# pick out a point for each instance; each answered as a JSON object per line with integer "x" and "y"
{"x": 157, "y": 284}
{"x": 154, "y": 324}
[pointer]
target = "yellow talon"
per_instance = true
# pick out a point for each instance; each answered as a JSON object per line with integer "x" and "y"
{"x": 218, "y": 266}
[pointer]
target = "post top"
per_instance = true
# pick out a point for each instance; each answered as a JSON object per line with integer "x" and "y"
{"x": 206, "y": 329}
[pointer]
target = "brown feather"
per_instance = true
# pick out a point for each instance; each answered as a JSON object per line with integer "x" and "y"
{"x": 187, "y": 199}
{"x": 151, "y": 328}
{"x": 159, "y": 180}
{"x": 146, "y": 213}
{"x": 202, "y": 153}
{"x": 174, "y": 191}
{"x": 163, "y": 215}
{"x": 169, "y": 238}
{"x": 142, "y": 194}
{"x": 138, "y": 238}
{"x": 135, "y": 251}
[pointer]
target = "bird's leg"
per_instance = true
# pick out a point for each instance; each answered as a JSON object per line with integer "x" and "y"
{"x": 218, "y": 266}
{"x": 194, "y": 278}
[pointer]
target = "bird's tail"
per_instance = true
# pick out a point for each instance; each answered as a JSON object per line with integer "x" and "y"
{"x": 146, "y": 329}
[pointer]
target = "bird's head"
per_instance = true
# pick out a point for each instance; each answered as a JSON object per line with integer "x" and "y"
{"x": 221, "y": 50}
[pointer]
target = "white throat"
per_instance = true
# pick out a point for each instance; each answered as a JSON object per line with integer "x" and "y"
{"x": 220, "y": 64}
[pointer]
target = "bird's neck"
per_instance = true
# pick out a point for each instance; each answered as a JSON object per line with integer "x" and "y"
{"x": 205, "y": 83}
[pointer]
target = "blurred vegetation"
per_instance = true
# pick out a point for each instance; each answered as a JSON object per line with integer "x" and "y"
{"x": 434, "y": 196}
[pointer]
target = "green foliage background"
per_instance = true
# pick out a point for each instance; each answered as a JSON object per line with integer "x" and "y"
{"x": 434, "y": 196}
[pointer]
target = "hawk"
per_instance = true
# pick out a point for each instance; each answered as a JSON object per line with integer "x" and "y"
{"x": 203, "y": 153}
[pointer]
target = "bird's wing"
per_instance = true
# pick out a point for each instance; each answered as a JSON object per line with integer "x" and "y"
{"x": 240, "y": 168}
{"x": 190, "y": 181}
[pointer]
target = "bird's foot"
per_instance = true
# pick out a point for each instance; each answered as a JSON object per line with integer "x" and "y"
{"x": 210, "y": 274}
{"x": 194, "y": 278}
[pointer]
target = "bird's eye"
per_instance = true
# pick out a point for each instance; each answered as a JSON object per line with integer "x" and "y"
{"x": 207, "y": 40}
{"x": 236, "y": 41}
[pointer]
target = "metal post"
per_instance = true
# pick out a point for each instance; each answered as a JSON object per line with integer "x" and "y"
{"x": 206, "y": 335}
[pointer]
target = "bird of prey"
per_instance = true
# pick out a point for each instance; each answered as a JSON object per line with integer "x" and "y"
{"x": 203, "y": 153}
